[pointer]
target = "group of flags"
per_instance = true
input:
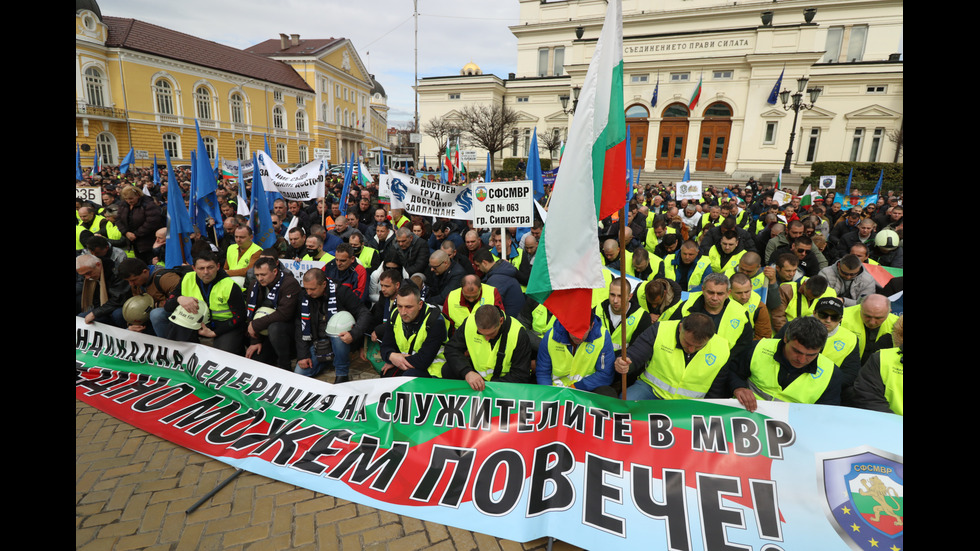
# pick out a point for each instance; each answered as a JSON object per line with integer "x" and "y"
{"x": 696, "y": 95}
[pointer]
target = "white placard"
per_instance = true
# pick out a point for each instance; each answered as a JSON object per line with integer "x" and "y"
{"x": 305, "y": 184}
{"x": 503, "y": 204}
{"x": 89, "y": 193}
{"x": 420, "y": 196}
{"x": 689, "y": 190}
{"x": 828, "y": 182}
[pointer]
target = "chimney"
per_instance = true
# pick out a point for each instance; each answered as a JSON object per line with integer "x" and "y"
{"x": 283, "y": 41}
{"x": 294, "y": 39}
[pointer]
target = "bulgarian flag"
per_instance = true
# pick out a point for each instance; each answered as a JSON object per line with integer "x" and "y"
{"x": 364, "y": 177}
{"x": 806, "y": 201}
{"x": 591, "y": 188}
{"x": 779, "y": 179}
{"x": 696, "y": 95}
{"x": 450, "y": 174}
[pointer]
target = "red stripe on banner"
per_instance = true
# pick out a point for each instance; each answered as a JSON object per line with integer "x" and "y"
{"x": 613, "y": 180}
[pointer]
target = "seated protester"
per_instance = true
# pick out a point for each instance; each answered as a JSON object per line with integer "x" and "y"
{"x": 659, "y": 298}
{"x": 410, "y": 251}
{"x": 646, "y": 266}
{"x": 489, "y": 346}
{"x": 687, "y": 266}
{"x": 809, "y": 263}
{"x": 880, "y": 385}
{"x": 344, "y": 270}
{"x": 742, "y": 293}
{"x": 442, "y": 231}
{"x": 872, "y": 322}
{"x": 211, "y": 286}
{"x": 413, "y": 345}
{"x": 791, "y": 369}
{"x": 536, "y": 319}
{"x": 849, "y": 280}
{"x": 565, "y": 360}
{"x": 383, "y": 240}
{"x": 450, "y": 249}
{"x": 726, "y": 253}
{"x": 242, "y": 255}
{"x": 610, "y": 250}
{"x": 314, "y": 250}
{"x": 658, "y": 229}
{"x": 368, "y": 257}
{"x": 103, "y": 292}
{"x": 502, "y": 276}
{"x": 729, "y": 316}
{"x": 667, "y": 246}
{"x": 677, "y": 360}
{"x": 842, "y": 345}
{"x": 797, "y": 299}
{"x": 783, "y": 270}
{"x": 331, "y": 319}
{"x": 615, "y": 312}
{"x": 157, "y": 282}
{"x": 272, "y": 303}
{"x": 751, "y": 265}
{"x": 389, "y": 281}
{"x": 464, "y": 301}
{"x": 99, "y": 247}
{"x": 444, "y": 277}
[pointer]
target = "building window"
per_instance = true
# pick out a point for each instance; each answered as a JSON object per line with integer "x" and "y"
{"x": 301, "y": 121}
{"x": 559, "y": 64}
{"x": 237, "y": 109}
{"x": 300, "y": 102}
{"x": 513, "y": 144}
{"x": 770, "y": 138}
{"x": 211, "y": 146}
{"x": 281, "y": 153}
{"x": 337, "y": 120}
{"x": 454, "y": 95}
{"x": 876, "y": 140}
{"x": 876, "y": 89}
{"x": 811, "y": 148}
{"x": 304, "y": 156}
{"x": 523, "y": 99}
{"x": 835, "y": 37}
{"x": 856, "y": 42}
{"x": 164, "y": 93}
{"x": 202, "y": 100}
{"x": 527, "y": 142}
{"x": 336, "y": 89}
{"x": 856, "y": 142}
{"x": 105, "y": 145}
{"x": 95, "y": 87}
{"x": 277, "y": 95}
{"x": 171, "y": 144}
{"x": 543, "y": 62}
{"x": 680, "y": 77}
{"x": 722, "y": 75}
{"x": 639, "y": 79}
{"x": 277, "y": 118}
{"x": 241, "y": 150}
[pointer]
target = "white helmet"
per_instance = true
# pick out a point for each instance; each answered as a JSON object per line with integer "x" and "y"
{"x": 339, "y": 322}
{"x": 186, "y": 319}
{"x": 261, "y": 312}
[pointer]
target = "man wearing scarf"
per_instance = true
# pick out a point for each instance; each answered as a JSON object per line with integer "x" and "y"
{"x": 271, "y": 332}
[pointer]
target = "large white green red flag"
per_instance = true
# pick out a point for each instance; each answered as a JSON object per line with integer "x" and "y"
{"x": 589, "y": 187}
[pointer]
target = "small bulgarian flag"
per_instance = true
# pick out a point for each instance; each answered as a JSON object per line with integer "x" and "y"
{"x": 697, "y": 94}
{"x": 806, "y": 200}
{"x": 779, "y": 179}
{"x": 592, "y": 187}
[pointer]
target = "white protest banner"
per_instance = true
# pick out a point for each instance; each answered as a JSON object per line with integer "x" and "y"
{"x": 425, "y": 198}
{"x": 229, "y": 169}
{"x": 689, "y": 190}
{"x": 503, "y": 204}
{"x": 305, "y": 184}
{"x": 780, "y": 197}
{"x": 299, "y": 267}
{"x": 828, "y": 182}
{"x": 89, "y": 193}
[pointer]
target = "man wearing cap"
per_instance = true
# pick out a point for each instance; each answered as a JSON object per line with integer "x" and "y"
{"x": 211, "y": 285}
{"x": 271, "y": 303}
{"x": 320, "y": 342}
{"x": 489, "y": 346}
{"x": 842, "y": 344}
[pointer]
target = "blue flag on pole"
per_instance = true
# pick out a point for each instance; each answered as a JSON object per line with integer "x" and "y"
{"x": 656, "y": 92}
{"x": 348, "y": 176}
{"x": 79, "y": 175}
{"x": 488, "y": 177}
{"x": 156, "y": 172}
{"x": 179, "y": 227}
{"x": 274, "y": 193}
{"x": 873, "y": 198}
{"x": 127, "y": 160}
{"x": 207, "y": 186}
{"x": 261, "y": 219}
{"x": 687, "y": 172}
{"x": 774, "y": 95}
{"x": 381, "y": 161}
{"x": 533, "y": 170}
{"x": 847, "y": 190}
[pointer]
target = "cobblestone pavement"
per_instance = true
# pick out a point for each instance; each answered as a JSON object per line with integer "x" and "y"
{"x": 132, "y": 491}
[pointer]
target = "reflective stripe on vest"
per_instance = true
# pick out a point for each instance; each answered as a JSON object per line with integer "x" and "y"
{"x": 893, "y": 377}
{"x": 764, "y": 377}
{"x": 696, "y": 274}
{"x": 568, "y": 369}
{"x": 670, "y": 377}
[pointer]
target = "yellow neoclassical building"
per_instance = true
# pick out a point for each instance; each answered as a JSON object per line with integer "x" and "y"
{"x": 140, "y": 86}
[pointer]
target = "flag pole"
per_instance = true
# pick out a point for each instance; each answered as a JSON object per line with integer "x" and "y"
{"x": 624, "y": 285}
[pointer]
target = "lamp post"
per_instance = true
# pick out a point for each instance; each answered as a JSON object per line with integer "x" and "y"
{"x": 564, "y": 101}
{"x": 796, "y": 106}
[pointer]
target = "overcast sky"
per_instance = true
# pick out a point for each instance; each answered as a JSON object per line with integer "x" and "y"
{"x": 451, "y": 32}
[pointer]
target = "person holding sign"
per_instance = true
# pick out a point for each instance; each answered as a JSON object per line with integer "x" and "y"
{"x": 489, "y": 346}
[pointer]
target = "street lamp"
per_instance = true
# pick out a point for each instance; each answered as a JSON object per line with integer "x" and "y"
{"x": 796, "y": 105}
{"x": 564, "y": 101}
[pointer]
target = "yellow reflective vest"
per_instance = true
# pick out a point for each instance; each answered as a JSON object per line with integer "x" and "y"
{"x": 672, "y": 378}
{"x": 892, "y": 375}
{"x": 764, "y": 379}
{"x": 407, "y": 343}
{"x": 217, "y": 299}
{"x": 484, "y": 356}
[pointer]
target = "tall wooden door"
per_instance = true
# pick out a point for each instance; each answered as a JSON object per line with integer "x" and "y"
{"x": 637, "y": 121}
{"x": 673, "y": 138}
{"x": 716, "y": 132}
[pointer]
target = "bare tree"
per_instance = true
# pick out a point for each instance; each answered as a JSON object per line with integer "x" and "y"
{"x": 551, "y": 141}
{"x": 489, "y": 127}
{"x": 440, "y": 129}
{"x": 898, "y": 138}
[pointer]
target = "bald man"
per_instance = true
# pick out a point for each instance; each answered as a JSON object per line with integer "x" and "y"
{"x": 872, "y": 322}
{"x": 444, "y": 277}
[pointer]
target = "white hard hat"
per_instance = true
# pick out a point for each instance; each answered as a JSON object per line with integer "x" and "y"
{"x": 340, "y": 322}
{"x": 186, "y": 319}
{"x": 261, "y": 312}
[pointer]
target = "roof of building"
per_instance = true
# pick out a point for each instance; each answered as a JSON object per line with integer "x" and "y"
{"x": 377, "y": 88}
{"x": 304, "y": 47}
{"x": 133, "y": 34}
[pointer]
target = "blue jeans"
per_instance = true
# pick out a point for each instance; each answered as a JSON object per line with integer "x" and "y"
{"x": 341, "y": 360}
{"x": 641, "y": 391}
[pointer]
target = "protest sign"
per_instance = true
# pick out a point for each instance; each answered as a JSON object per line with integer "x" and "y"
{"x": 828, "y": 182}
{"x": 419, "y": 196}
{"x": 689, "y": 191}
{"x": 305, "y": 184}
{"x": 229, "y": 169}
{"x": 520, "y": 461}
{"x": 300, "y": 267}
{"x": 89, "y": 193}
{"x": 503, "y": 204}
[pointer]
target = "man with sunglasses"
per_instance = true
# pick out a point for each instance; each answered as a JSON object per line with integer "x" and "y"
{"x": 842, "y": 344}
{"x": 848, "y": 278}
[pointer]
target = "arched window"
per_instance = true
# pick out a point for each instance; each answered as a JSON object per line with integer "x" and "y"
{"x": 237, "y": 109}
{"x": 95, "y": 87}
{"x": 301, "y": 121}
{"x": 202, "y": 103}
{"x": 164, "y": 93}
{"x": 105, "y": 146}
{"x": 637, "y": 112}
{"x": 718, "y": 110}
{"x": 676, "y": 110}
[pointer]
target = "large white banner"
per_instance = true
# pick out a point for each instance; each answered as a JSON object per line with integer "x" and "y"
{"x": 304, "y": 184}
{"x": 425, "y": 198}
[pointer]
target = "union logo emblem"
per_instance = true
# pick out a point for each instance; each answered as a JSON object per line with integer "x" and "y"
{"x": 481, "y": 193}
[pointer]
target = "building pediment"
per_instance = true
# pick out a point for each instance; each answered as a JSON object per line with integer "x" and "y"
{"x": 524, "y": 116}
{"x": 557, "y": 116}
{"x": 818, "y": 113}
{"x": 774, "y": 113}
{"x": 873, "y": 112}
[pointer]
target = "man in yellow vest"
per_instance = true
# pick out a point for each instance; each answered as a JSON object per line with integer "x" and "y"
{"x": 489, "y": 346}
{"x": 842, "y": 344}
{"x": 797, "y": 299}
{"x": 619, "y": 314}
{"x": 677, "y": 359}
{"x": 413, "y": 346}
{"x": 872, "y": 322}
{"x": 610, "y": 250}
{"x": 880, "y": 385}
{"x": 242, "y": 255}
{"x": 730, "y": 318}
{"x": 791, "y": 369}
{"x": 566, "y": 360}
{"x": 743, "y": 293}
{"x": 224, "y": 299}
{"x": 464, "y": 301}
